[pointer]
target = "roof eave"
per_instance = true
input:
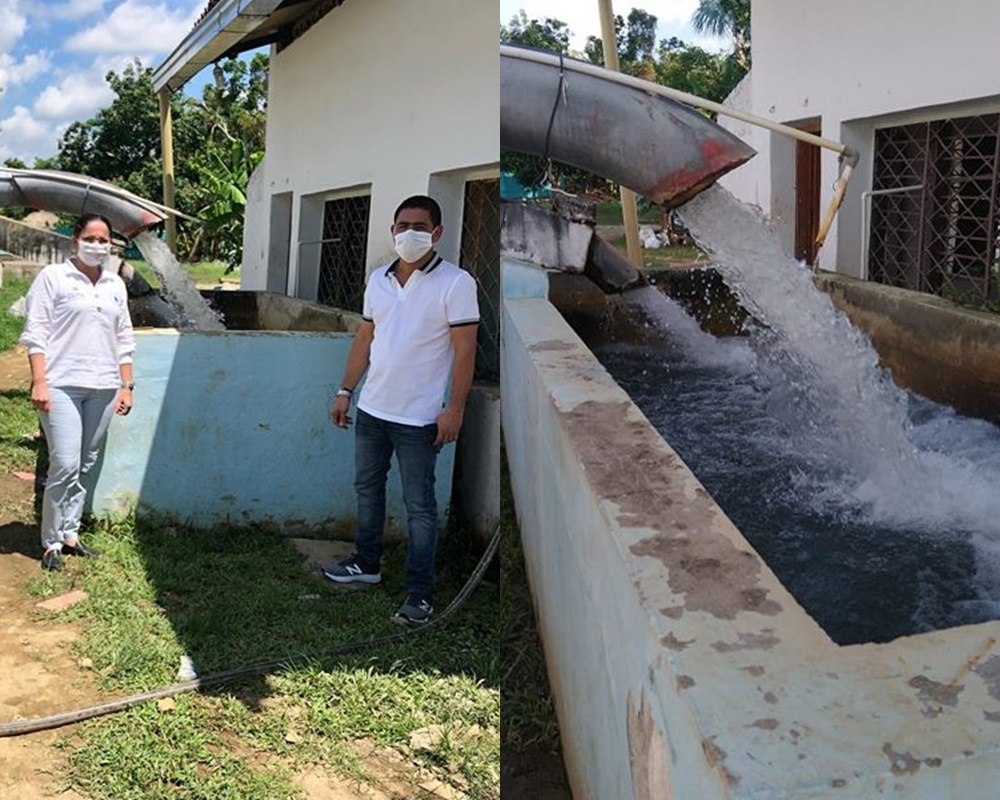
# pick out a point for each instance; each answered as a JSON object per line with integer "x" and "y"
{"x": 218, "y": 33}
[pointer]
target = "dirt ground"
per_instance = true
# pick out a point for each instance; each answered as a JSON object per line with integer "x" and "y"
{"x": 40, "y": 676}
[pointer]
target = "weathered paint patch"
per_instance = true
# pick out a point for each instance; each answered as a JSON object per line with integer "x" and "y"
{"x": 906, "y": 763}
{"x": 671, "y": 642}
{"x": 684, "y": 682}
{"x": 991, "y": 716}
{"x": 552, "y": 345}
{"x": 989, "y": 672}
{"x": 767, "y": 724}
{"x": 838, "y": 783}
{"x": 748, "y": 641}
{"x": 755, "y": 670}
{"x": 770, "y": 697}
{"x": 934, "y": 695}
{"x": 641, "y": 477}
{"x": 714, "y": 754}
{"x": 648, "y": 754}
{"x": 900, "y": 763}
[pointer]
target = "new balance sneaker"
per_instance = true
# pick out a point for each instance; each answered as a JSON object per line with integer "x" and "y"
{"x": 81, "y": 550}
{"x": 352, "y": 570}
{"x": 52, "y": 559}
{"x": 416, "y": 608}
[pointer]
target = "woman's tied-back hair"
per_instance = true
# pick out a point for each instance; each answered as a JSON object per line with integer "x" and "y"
{"x": 85, "y": 219}
{"x": 428, "y": 204}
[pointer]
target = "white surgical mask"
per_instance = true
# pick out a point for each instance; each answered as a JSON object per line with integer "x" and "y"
{"x": 93, "y": 254}
{"x": 412, "y": 245}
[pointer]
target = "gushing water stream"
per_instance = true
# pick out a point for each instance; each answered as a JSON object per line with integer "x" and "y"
{"x": 177, "y": 286}
{"x": 878, "y": 509}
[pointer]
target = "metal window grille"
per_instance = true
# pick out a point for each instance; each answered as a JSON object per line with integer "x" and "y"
{"x": 344, "y": 252}
{"x": 934, "y": 226}
{"x": 481, "y": 257}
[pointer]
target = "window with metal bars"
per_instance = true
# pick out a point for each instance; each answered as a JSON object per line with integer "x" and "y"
{"x": 481, "y": 257}
{"x": 344, "y": 252}
{"x": 934, "y": 223}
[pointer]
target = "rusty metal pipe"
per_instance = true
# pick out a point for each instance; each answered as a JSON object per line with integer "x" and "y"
{"x": 69, "y": 193}
{"x": 665, "y": 151}
{"x": 585, "y": 68}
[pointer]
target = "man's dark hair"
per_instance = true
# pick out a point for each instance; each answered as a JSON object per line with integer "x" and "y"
{"x": 85, "y": 219}
{"x": 428, "y": 204}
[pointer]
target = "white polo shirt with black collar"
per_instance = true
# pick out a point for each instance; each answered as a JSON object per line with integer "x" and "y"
{"x": 412, "y": 352}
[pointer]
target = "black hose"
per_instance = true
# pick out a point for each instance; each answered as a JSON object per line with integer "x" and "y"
{"x": 21, "y": 727}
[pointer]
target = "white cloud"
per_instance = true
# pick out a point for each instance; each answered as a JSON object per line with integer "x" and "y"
{"x": 155, "y": 25}
{"x": 25, "y": 137}
{"x": 13, "y": 72}
{"x": 65, "y": 10}
{"x": 76, "y": 9}
{"x": 14, "y": 23}
{"x": 77, "y": 96}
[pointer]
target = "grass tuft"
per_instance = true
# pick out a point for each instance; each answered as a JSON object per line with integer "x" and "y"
{"x": 228, "y": 597}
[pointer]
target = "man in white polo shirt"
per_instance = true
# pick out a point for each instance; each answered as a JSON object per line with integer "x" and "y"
{"x": 418, "y": 336}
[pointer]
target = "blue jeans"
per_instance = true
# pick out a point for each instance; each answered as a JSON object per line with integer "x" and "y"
{"x": 375, "y": 441}
{"x": 75, "y": 431}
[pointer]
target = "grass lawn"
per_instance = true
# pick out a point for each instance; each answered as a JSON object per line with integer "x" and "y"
{"x": 667, "y": 256}
{"x": 17, "y": 418}
{"x": 227, "y": 597}
{"x": 610, "y": 213}
{"x": 11, "y": 326}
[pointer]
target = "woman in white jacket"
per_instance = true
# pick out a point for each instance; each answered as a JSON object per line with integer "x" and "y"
{"x": 79, "y": 338}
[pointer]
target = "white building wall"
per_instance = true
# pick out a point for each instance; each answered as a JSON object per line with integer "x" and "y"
{"x": 858, "y": 65}
{"x": 384, "y": 97}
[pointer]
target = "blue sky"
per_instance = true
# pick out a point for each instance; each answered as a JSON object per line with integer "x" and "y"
{"x": 673, "y": 18}
{"x": 54, "y": 55}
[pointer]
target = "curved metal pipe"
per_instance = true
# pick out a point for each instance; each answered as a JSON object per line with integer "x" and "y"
{"x": 68, "y": 193}
{"x": 665, "y": 151}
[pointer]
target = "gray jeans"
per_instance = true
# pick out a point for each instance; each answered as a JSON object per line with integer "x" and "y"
{"x": 75, "y": 430}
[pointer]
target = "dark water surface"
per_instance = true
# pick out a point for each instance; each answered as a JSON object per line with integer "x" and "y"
{"x": 767, "y": 462}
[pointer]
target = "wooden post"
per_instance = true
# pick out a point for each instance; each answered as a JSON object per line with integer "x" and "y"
{"x": 167, "y": 149}
{"x": 630, "y": 214}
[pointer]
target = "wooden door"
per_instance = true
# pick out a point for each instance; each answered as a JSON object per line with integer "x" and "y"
{"x": 807, "y": 211}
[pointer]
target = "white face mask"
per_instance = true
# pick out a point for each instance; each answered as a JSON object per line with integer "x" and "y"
{"x": 93, "y": 254}
{"x": 412, "y": 245}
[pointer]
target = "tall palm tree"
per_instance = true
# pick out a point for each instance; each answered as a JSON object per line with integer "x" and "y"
{"x": 726, "y": 18}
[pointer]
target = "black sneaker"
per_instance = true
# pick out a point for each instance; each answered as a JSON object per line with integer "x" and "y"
{"x": 81, "y": 550}
{"x": 52, "y": 560}
{"x": 352, "y": 570}
{"x": 416, "y": 608}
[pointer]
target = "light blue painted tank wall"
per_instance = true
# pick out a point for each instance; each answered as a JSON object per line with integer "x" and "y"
{"x": 235, "y": 426}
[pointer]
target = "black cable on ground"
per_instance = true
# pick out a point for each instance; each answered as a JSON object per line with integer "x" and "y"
{"x": 21, "y": 727}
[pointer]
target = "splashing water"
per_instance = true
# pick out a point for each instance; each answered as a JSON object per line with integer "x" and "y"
{"x": 178, "y": 288}
{"x": 876, "y": 507}
{"x": 849, "y": 416}
{"x": 682, "y": 330}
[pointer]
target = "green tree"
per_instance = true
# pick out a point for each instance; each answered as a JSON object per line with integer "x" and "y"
{"x": 726, "y": 18}
{"x": 219, "y": 165}
{"x": 121, "y": 144}
{"x": 691, "y": 69}
{"x": 546, "y": 34}
{"x": 636, "y": 38}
